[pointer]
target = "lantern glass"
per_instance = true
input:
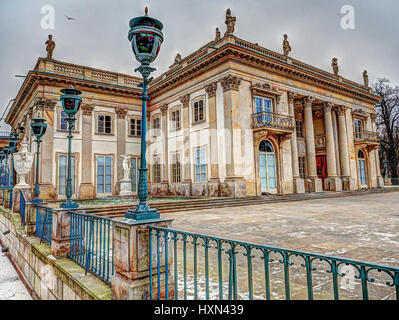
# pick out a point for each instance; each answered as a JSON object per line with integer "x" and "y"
{"x": 38, "y": 127}
{"x": 71, "y": 100}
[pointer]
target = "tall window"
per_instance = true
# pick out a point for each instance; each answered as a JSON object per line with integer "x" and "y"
{"x": 176, "y": 167}
{"x": 200, "y": 165}
{"x": 264, "y": 107}
{"x": 63, "y": 121}
{"x": 104, "y": 123}
{"x": 358, "y": 128}
{"x": 175, "y": 120}
{"x": 104, "y": 174}
{"x": 156, "y": 170}
{"x": 135, "y": 127}
{"x": 198, "y": 111}
{"x": 156, "y": 126}
{"x": 301, "y": 163}
{"x": 299, "y": 128}
{"x": 134, "y": 172}
{"x": 62, "y": 174}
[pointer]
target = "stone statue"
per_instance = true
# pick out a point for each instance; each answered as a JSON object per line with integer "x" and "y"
{"x": 334, "y": 65}
{"x": 217, "y": 36}
{"x": 23, "y": 161}
{"x": 230, "y": 23}
{"x": 366, "y": 78}
{"x": 286, "y": 46}
{"x": 178, "y": 58}
{"x": 50, "y": 45}
{"x": 126, "y": 167}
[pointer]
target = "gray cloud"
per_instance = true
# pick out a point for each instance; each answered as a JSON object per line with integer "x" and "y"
{"x": 98, "y": 36}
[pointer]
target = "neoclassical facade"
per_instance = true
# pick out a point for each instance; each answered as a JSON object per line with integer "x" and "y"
{"x": 231, "y": 119}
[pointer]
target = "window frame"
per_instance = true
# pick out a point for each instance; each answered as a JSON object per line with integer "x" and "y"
{"x": 112, "y": 174}
{"x": 59, "y": 118}
{"x": 193, "y": 102}
{"x": 172, "y": 123}
{"x": 156, "y": 176}
{"x": 156, "y": 132}
{"x": 130, "y": 126}
{"x": 105, "y": 114}
{"x": 138, "y": 164}
{"x": 203, "y": 166}
{"x": 75, "y": 177}
{"x": 302, "y": 169}
{"x": 176, "y": 167}
{"x": 299, "y": 133}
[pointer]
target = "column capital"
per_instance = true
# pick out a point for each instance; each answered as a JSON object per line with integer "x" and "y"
{"x": 121, "y": 112}
{"x": 230, "y": 83}
{"x": 164, "y": 109}
{"x": 185, "y": 100}
{"x": 87, "y": 109}
{"x": 327, "y": 106}
{"x": 291, "y": 96}
{"x": 308, "y": 101}
{"x": 341, "y": 110}
{"x": 45, "y": 104}
{"x": 211, "y": 89}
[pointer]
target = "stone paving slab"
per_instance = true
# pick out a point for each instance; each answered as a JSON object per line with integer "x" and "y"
{"x": 11, "y": 286}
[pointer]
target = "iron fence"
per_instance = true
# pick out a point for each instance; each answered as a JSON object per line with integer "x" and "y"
{"x": 200, "y": 266}
{"x": 44, "y": 223}
{"x": 91, "y": 244}
{"x": 22, "y": 203}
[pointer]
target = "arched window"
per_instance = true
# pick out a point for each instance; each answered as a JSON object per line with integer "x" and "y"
{"x": 360, "y": 154}
{"x": 266, "y": 146}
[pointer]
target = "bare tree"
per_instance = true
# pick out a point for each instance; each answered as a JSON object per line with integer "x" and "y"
{"x": 388, "y": 121}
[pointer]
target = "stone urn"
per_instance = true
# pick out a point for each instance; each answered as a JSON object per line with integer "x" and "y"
{"x": 23, "y": 161}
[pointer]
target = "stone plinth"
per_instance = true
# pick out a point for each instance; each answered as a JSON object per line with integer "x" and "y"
{"x": 234, "y": 187}
{"x": 299, "y": 185}
{"x": 333, "y": 184}
{"x": 387, "y": 182}
{"x": 126, "y": 187}
{"x": 131, "y": 260}
{"x": 313, "y": 185}
{"x": 60, "y": 241}
{"x": 349, "y": 184}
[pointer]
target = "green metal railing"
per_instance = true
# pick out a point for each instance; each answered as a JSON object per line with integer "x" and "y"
{"x": 200, "y": 266}
{"x": 91, "y": 244}
{"x": 44, "y": 223}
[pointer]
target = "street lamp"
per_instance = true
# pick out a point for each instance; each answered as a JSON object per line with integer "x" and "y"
{"x": 71, "y": 101}
{"x": 146, "y": 38}
{"x": 7, "y": 152}
{"x": 39, "y": 127}
{"x": 12, "y": 144}
{"x": 2, "y": 157}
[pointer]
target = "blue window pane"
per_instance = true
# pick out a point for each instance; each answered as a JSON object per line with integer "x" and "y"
{"x": 100, "y": 188}
{"x": 108, "y": 161}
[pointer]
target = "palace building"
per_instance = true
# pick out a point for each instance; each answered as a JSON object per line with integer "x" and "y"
{"x": 230, "y": 119}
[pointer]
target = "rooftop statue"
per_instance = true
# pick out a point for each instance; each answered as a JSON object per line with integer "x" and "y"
{"x": 366, "y": 78}
{"x": 23, "y": 165}
{"x": 334, "y": 65}
{"x": 230, "y": 23}
{"x": 217, "y": 37}
{"x": 286, "y": 46}
{"x": 50, "y": 46}
{"x": 178, "y": 58}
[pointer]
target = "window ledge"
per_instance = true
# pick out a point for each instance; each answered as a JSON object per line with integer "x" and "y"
{"x": 198, "y": 122}
{"x": 105, "y": 134}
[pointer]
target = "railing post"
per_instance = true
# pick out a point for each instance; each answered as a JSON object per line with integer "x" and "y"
{"x": 30, "y": 217}
{"x": 60, "y": 242}
{"x": 131, "y": 280}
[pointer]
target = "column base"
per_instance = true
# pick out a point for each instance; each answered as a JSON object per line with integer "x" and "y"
{"x": 299, "y": 185}
{"x": 380, "y": 182}
{"x": 349, "y": 184}
{"x": 214, "y": 187}
{"x": 313, "y": 185}
{"x": 333, "y": 184}
{"x": 387, "y": 182}
{"x": 234, "y": 187}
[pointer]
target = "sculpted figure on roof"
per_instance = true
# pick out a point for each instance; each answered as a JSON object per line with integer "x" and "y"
{"x": 230, "y": 23}
{"x": 286, "y": 46}
{"x": 334, "y": 65}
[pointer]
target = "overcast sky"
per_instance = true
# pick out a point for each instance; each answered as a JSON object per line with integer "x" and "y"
{"x": 98, "y": 35}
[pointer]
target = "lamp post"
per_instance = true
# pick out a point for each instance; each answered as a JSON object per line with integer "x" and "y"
{"x": 39, "y": 127}
{"x": 146, "y": 38}
{"x": 7, "y": 152}
{"x": 2, "y": 157}
{"x": 71, "y": 101}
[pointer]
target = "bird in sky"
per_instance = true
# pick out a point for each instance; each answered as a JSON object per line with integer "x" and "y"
{"x": 69, "y": 18}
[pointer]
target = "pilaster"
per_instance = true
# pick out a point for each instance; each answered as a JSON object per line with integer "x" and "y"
{"x": 120, "y": 144}
{"x": 164, "y": 132}
{"x": 86, "y": 188}
{"x": 185, "y": 101}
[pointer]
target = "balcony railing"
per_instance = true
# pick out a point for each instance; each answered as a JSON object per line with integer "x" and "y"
{"x": 273, "y": 121}
{"x": 367, "y": 137}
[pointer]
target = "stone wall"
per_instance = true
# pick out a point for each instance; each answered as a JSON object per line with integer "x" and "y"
{"x": 49, "y": 278}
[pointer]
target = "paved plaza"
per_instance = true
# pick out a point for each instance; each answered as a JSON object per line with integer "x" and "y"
{"x": 359, "y": 227}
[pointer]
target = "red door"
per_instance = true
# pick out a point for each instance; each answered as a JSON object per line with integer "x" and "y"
{"x": 321, "y": 162}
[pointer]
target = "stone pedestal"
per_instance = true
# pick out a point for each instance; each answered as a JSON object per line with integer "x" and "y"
{"x": 126, "y": 187}
{"x": 380, "y": 182}
{"x": 387, "y": 182}
{"x": 299, "y": 185}
{"x": 30, "y": 217}
{"x": 214, "y": 188}
{"x": 61, "y": 232}
{"x": 333, "y": 184}
{"x": 349, "y": 184}
{"x": 131, "y": 260}
{"x": 314, "y": 185}
{"x": 86, "y": 190}
{"x": 234, "y": 187}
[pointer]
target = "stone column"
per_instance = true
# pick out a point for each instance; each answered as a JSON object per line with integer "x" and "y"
{"x": 315, "y": 182}
{"x": 348, "y": 183}
{"x": 333, "y": 183}
{"x": 165, "y": 165}
{"x": 47, "y": 189}
{"x": 335, "y": 128}
{"x": 120, "y": 144}
{"x": 234, "y": 184}
{"x": 86, "y": 188}
{"x": 214, "y": 181}
{"x": 131, "y": 260}
{"x": 185, "y": 100}
{"x": 299, "y": 186}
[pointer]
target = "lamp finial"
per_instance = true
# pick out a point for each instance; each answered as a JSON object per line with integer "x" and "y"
{"x": 146, "y": 11}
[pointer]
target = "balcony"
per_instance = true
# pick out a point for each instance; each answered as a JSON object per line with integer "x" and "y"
{"x": 367, "y": 137}
{"x": 277, "y": 123}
